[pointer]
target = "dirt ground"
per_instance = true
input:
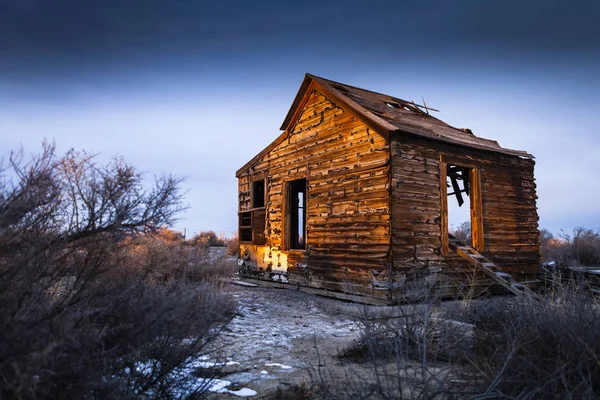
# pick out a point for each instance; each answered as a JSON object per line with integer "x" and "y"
{"x": 278, "y": 335}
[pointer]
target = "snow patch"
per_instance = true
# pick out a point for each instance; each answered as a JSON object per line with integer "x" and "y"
{"x": 278, "y": 365}
{"x": 220, "y": 386}
{"x": 243, "y": 392}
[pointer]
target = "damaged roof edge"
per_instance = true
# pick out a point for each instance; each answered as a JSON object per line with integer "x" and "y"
{"x": 378, "y": 124}
{"x": 500, "y": 150}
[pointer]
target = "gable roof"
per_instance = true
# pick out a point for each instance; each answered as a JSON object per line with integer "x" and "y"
{"x": 384, "y": 113}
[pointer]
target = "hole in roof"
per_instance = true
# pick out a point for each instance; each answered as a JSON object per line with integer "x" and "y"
{"x": 392, "y": 105}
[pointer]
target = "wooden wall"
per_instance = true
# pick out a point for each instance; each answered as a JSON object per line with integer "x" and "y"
{"x": 346, "y": 165}
{"x": 510, "y": 220}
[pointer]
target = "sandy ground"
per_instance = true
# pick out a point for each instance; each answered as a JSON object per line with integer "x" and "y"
{"x": 273, "y": 340}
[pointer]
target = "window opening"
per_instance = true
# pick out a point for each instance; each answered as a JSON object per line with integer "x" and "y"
{"x": 458, "y": 189}
{"x": 258, "y": 194}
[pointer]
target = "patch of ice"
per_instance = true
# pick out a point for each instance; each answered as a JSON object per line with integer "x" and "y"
{"x": 278, "y": 365}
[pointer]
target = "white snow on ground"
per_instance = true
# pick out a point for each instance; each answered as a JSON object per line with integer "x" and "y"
{"x": 216, "y": 385}
{"x": 243, "y": 392}
{"x": 278, "y": 365}
{"x": 220, "y": 386}
{"x": 272, "y": 336}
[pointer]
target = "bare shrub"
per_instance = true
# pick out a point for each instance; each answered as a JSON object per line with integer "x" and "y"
{"x": 233, "y": 246}
{"x": 78, "y": 320}
{"x": 546, "y": 242}
{"x": 407, "y": 351}
{"x": 582, "y": 248}
{"x": 517, "y": 348}
{"x": 161, "y": 260}
{"x": 206, "y": 238}
{"x": 462, "y": 232}
{"x": 539, "y": 349}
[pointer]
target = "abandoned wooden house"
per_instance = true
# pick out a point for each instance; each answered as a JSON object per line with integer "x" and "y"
{"x": 351, "y": 200}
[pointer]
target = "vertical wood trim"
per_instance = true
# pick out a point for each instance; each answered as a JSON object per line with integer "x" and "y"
{"x": 390, "y": 255}
{"x": 306, "y": 197}
{"x": 285, "y": 217}
{"x": 444, "y": 206}
{"x": 476, "y": 210}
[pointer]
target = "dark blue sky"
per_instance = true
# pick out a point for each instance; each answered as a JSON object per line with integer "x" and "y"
{"x": 198, "y": 88}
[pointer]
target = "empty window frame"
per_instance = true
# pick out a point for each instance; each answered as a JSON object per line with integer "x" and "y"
{"x": 245, "y": 225}
{"x": 258, "y": 194}
{"x": 296, "y": 214}
{"x": 457, "y": 180}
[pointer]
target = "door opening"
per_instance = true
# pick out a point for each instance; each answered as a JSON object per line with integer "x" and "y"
{"x": 296, "y": 215}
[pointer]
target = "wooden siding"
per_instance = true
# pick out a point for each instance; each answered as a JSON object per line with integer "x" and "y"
{"x": 346, "y": 165}
{"x": 509, "y": 214}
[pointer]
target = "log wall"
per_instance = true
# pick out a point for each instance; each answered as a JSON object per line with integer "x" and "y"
{"x": 347, "y": 167}
{"x": 510, "y": 220}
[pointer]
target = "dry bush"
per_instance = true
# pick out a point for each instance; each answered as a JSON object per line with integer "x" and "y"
{"x": 408, "y": 351}
{"x": 79, "y": 321}
{"x": 206, "y": 238}
{"x": 161, "y": 260}
{"x": 546, "y": 242}
{"x": 539, "y": 349}
{"x": 462, "y": 232}
{"x": 233, "y": 246}
{"x": 582, "y": 248}
{"x": 517, "y": 348}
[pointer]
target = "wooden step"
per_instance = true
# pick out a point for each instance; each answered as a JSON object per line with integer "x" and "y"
{"x": 491, "y": 269}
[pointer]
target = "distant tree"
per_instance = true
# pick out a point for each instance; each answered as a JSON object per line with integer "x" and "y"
{"x": 462, "y": 232}
{"x": 546, "y": 241}
{"x": 206, "y": 238}
{"x": 169, "y": 235}
{"x": 581, "y": 248}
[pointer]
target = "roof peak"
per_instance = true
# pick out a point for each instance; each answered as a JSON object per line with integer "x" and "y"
{"x": 388, "y": 114}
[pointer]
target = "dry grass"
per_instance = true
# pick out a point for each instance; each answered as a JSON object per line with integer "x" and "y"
{"x": 495, "y": 348}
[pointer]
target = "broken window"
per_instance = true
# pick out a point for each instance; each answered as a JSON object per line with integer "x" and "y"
{"x": 296, "y": 214}
{"x": 245, "y": 224}
{"x": 252, "y": 226}
{"x": 258, "y": 193}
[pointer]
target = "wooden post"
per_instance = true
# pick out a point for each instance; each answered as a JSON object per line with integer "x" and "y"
{"x": 444, "y": 206}
{"x": 476, "y": 210}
